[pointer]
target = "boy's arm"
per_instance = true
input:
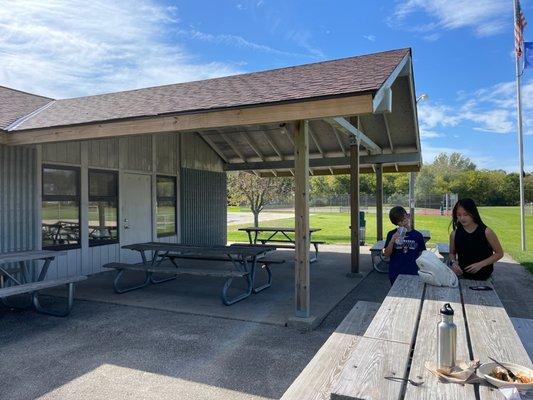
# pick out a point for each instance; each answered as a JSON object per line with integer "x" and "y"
{"x": 389, "y": 245}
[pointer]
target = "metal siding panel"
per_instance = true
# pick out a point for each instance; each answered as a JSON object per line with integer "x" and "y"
{"x": 62, "y": 152}
{"x": 136, "y": 153}
{"x": 17, "y": 198}
{"x": 103, "y": 153}
{"x": 166, "y": 157}
{"x": 198, "y": 155}
{"x": 203, "y": 207}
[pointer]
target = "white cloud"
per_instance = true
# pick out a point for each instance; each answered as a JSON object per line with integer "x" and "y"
{"x": 64, "y": 49}
{"x": 491, "y": 109}
{"x": 370, "y": 38}
{"x": 484, "y": 17}
{"x": 238, "y": 42}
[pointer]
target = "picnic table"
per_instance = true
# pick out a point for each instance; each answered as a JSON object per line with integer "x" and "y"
{"x": 279, "y": 235}
{"x": 168, "y": 259}
{"x": 379, "y": 261}
{"x": 402, "y": 337}
{"x": 18, "y": 272}
{"x": 444, "y": 251}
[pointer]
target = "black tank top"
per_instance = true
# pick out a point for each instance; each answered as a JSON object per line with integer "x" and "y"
{"x": 471, "y": 248}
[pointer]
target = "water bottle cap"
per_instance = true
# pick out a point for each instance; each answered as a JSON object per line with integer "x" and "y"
{"x": 446, "y": 309}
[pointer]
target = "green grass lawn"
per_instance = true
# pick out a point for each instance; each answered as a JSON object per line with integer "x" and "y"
{"x": 505, "y": 221}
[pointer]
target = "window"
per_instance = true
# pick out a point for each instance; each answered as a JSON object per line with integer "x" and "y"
{"x": 61, "y": 207}
{"x": 166, "y": 206}
{"x": 103, "y": 201}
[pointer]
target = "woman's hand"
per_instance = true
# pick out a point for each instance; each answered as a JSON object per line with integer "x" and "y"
{"x": 455, "y": 268}
{"x": 473, "y": 268}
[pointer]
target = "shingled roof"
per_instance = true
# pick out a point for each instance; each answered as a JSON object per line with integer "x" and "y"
{"x": 348, "y": 76}
{"x": 15, "y": 104}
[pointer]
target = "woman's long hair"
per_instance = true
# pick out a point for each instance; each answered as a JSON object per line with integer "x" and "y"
{"x": 470, "y": 207}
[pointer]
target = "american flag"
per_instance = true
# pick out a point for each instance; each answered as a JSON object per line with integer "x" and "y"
{"x": 520, "y": 23}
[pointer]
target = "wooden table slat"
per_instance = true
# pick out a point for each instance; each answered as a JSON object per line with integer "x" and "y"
{"x": 426, "y": 347}
{"x": 363, "y": 376}
{"x": 397, "y": 316}
{"x": 491, "y": 331}
{"x": 30, "y": 255}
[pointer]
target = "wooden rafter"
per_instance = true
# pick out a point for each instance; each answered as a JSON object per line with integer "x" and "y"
{"x": 233, "y": 147}
{"x": 214, "y": 146}
{"x": 387, "y": 129}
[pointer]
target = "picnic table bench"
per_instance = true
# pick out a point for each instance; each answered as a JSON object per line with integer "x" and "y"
{"x": 245, "y": 260}
{"x": 444, "y": 251}
{"x": 23, "y": 278}
{"x": 279, "y": 235}
{"x": 402, "y": 337}
{"x": 379, "y": 261}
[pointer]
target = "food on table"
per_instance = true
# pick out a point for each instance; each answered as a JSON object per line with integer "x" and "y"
{"x": 501, "y": 374}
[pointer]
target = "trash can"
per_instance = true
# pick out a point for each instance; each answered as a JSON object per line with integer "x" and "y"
{"x": 362, "y": 228}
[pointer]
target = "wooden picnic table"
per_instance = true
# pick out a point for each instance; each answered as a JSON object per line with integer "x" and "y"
{"x": 245, "y": 260}
{"x": 406, "y": 323}
{"x": 279, "y": 235}
{"x": 18, "y": 272}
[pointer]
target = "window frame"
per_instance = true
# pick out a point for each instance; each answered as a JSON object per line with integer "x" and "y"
{"x": 93, "y": 242}
{"x": 50, "y": 197}
{"x": 167, "y": 198}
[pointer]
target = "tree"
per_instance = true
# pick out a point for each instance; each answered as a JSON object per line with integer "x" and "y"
{"x": 257, "y": 192}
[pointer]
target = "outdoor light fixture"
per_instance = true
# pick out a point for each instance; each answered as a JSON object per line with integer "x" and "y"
{"x": 422, "y": 97}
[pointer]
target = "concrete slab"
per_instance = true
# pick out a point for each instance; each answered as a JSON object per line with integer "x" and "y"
{"x": 514, "y": 285}
{"x": 201, "y": 295}
{"x": 108, "y": 351}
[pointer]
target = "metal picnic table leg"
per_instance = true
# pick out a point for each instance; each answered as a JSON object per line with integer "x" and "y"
{"x": 70, "y": 301}
{"x": 120, "y": 272}
{"x": 264, "y": 266}
{"x": 156, "y": 264}
{"x": 243, "y": 267}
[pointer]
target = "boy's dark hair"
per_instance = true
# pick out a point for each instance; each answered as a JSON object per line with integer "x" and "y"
{"x": 396, "y": 214}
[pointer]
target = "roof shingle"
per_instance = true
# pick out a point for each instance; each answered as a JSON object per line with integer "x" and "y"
{"x": 330, "y": 78}
{"x": 15, "y": 104}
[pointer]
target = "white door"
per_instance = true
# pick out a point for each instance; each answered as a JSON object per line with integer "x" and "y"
{"x": 135, "y": 213}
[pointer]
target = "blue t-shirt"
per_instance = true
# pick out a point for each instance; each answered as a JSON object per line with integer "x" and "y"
{"x": 403, "y": 257}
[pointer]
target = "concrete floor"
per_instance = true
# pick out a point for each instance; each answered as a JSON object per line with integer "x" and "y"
{"x": 113, "y": 351}
{"x": 201, "y": 295}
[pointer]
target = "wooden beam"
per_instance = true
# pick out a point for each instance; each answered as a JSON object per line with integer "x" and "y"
{"x": 379, "y": 202}
{"x": 354, "y": 205}
{"x": 233, "y": 147}
{"x": 301, "y": 211}
{"x": 327, "y": 162}
{"x": 213, "y": 146}
{"x": 289, "y": 136}
{"x": 387, "y": 129}
{"x": 195, "y": 121}
{"x": 381, "y": 102}
{"x": 343, "y": 125}
{"x": 252, "y": 145}
{"x": 273, "y": 145}
{"x": 339, "y": 140}
{"x": 315, "y": 141}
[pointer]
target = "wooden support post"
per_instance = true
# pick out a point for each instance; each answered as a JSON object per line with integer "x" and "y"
{"x": 412, "y": 178}
{"x": 354, "y": 204}
{"x": 301, "y": 208}
{"x": 379, "y": 201}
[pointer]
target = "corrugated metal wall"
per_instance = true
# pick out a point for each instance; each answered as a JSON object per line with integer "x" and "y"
{"x": 18, "y": 212}
{"x": 203, "y": 207}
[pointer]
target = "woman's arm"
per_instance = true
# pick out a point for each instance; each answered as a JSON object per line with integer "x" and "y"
{"x": 497, "y": 252}
{"x": 452, "y": 255}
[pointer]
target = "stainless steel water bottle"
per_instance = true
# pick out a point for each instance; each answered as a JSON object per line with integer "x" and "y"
{"x": 447, "y": 339}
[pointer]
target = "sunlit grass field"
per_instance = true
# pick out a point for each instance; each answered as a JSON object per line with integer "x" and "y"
{"x": 505, "y": 221}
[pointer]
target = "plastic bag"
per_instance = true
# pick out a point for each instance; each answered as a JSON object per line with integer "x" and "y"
{"x": 434, "y": 272}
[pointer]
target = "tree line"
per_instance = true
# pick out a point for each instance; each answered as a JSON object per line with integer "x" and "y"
{"x": 448, "y": 173}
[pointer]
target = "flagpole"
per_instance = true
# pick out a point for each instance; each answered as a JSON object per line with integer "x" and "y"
{"x": 520, "y": 140}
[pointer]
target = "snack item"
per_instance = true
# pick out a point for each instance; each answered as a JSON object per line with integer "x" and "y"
{"x": 501, "y": 374}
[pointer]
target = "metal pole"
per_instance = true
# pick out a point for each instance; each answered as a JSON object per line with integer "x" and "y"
{"x": 412, "y": 198}
{"x": 520, "y": 141}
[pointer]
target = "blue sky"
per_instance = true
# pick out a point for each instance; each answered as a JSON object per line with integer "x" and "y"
{"x": 463, "y": 54}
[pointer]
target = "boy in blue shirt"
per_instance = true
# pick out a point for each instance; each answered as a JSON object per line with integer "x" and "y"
{"x": 403, "y": 254}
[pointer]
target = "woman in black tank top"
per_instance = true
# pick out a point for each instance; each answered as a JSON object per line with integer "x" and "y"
{"x": 474, "y": 247}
